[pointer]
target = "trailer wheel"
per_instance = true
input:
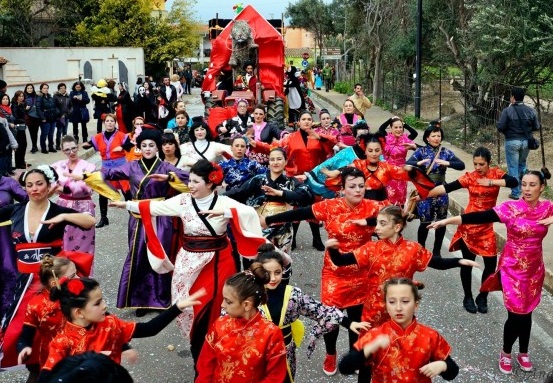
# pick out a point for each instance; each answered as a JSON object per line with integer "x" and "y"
{"x": 275, "y": 112}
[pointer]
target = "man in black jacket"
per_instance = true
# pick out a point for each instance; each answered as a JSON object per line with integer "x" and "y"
{"x": 517, "y": 122}
{"x": 168, "y": 94}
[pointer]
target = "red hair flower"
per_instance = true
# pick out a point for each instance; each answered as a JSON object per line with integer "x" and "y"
{"x": 216, "y": 176}
{"x": 75, "y": 286}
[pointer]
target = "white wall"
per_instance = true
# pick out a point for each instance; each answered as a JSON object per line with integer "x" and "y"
{"x": 54, "y": 65}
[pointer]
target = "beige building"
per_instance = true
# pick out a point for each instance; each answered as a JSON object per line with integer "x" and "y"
{"x": 298, "y": 38}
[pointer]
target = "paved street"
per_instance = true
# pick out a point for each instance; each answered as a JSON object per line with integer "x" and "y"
{"x": 475, "y": 338}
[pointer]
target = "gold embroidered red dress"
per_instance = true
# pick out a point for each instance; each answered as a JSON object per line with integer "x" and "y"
{"x": 344, "y": 286}
{"x": 409, "y": 350}
{"x": 238, "y": 350}
{"x": 109, "y": 335}
{"x": 382, "y": 260}
{"x": 480, "y": 239}
{"x": 48, "y": 320}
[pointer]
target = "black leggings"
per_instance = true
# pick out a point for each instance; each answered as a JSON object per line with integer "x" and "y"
{"x": 103, "y": 202}
{"x": 439, "y": 235}
{"x": 354, "y": 313}
{"x": 490, "y": 263}
{"x": 517, "y": 326}
{"x": 84, "y": 132}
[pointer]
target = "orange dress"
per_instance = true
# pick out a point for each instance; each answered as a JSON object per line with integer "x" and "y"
{"x": 48, "y": 320}
{"x": 108, "y": 335}
{"x": 237, "y": 350}
{"x": 382, "y": 260}
{"x": 378, "y": 180}
{"x": 480, "y": 239}
{"x": 409, "y": 350}
{"x": 344, "y": 286}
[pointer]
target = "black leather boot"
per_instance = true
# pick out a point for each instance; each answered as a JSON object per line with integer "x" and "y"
{"x": 104, "y": 221}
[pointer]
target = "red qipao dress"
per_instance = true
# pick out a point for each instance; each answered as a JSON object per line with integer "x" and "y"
{"x": 376, "y": 181}
{"x": 344, "y": 286}
{"x": 409, "y": 350}
{"x": 238, "y": 350}
{"x": 480, "y": 239}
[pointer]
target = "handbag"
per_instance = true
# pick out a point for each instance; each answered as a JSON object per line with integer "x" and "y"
{"x": 20, "y": 127}
{"x": 85, "y": 115}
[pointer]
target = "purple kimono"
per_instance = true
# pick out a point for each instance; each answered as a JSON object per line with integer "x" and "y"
{"x": 521, "y": 265}
{"x": 140, "y": 286}
{"x": 10, "y": 190}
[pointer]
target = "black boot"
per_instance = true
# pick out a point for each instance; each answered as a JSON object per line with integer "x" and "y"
{"x": 468, "y": 304}
{"x": 315, "y": 232}
{"x": 104, "y": 221}
{"x": 482, "y": 303}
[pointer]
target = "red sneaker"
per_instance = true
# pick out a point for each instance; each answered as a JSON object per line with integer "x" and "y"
{"x": 329, "y": 365}
{"x": 505, "y": 363}
{"x": 523, "y": 361}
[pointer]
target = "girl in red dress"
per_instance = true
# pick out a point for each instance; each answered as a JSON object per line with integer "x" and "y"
{"x": 242, "y": 346}
{"x": 89, "y": 328}
{"x": 483, "y": 186}
{"x": 402, "y": 350}
{"x": 43, "y": 318}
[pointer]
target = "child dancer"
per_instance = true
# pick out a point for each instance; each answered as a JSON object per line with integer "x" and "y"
{"x": 402, "y": 350}
{"x": 242, "y": 346}
{"x": 89, "y": 328}
{"x": 43, "y": 317}
{"x": 286, "y": 303}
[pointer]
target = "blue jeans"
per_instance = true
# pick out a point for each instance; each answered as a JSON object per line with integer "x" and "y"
{"x": 47, "y": 129}
{"x": 516, "y": 153}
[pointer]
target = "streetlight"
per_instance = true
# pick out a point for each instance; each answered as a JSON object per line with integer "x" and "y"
{"x": 418, "y": 62}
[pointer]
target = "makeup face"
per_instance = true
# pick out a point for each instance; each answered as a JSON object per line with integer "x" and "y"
{"x": 37, "y": 187}
{"x": 95, "y": 309}
{"x": 277, "y": 162}
{"x": 435, "y": 139}
{"x": 198, "y": 187}
{"x": 373, "y": 152}
{"x": 148, "y": 148}
{"x": 401, "y": 304}
{"x": 531, "y": 188}
{"x": 231, "y": 303}
{"x": 354, "y": 190}
{"x": 200, "y": 133}
{"x": 481, "y": 166}
{"x": 238, "y": 149}
{"x": 275, "y": 271}
{"x": 109, "y": 124}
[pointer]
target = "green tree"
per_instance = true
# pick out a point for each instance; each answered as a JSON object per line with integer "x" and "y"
{"x": 314, "y": 16}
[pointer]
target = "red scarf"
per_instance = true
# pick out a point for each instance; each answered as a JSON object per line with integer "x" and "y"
{"x": 5, "y": 110}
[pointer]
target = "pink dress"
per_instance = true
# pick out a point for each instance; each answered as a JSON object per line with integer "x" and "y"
{"x": 395, "y": 153}
{"x": 76, "y": 195}
{"x": 521, "y": 265}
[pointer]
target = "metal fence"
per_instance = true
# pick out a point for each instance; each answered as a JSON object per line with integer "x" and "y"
{"x": 468, "y": 118}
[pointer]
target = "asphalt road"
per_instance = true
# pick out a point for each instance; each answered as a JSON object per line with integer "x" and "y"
{"x": 475, "y": 338}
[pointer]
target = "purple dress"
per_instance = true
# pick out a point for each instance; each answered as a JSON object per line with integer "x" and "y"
{"x": 76, "y": 195}
{"x": 521, "y": 265}
{"x": 10, "y": 190}
{"x": 140, "y": 286}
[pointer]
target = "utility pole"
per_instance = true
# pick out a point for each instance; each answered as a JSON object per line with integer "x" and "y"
{"x": 419, "y": 59}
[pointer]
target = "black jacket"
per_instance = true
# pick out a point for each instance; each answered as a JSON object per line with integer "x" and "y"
{"x": 518, "y": 121}
{"x": 46, "y": 108}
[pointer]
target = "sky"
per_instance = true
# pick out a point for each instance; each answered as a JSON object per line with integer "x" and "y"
{"x": 207, "y": 9}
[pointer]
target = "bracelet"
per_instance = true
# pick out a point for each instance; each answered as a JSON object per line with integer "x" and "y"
{"x": 491, "y": 183}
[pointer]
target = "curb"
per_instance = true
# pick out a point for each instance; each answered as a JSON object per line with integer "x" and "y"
{"x": 455, "y": 208}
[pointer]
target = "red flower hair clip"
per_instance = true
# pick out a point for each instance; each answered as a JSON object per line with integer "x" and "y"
{"x": 75, "y": 286}
{"x": 216, "y": 176}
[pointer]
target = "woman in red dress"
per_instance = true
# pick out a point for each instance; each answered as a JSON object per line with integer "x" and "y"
{"x": 305, "y": 149}
{"x": 483, "y": 186}
{"x": 242, "y": 346}
{"x": 402, "y": 350}
{"x": 342, "y": 287}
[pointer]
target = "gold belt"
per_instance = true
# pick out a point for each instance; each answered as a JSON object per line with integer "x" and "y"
{"x": 271, "y": 208}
